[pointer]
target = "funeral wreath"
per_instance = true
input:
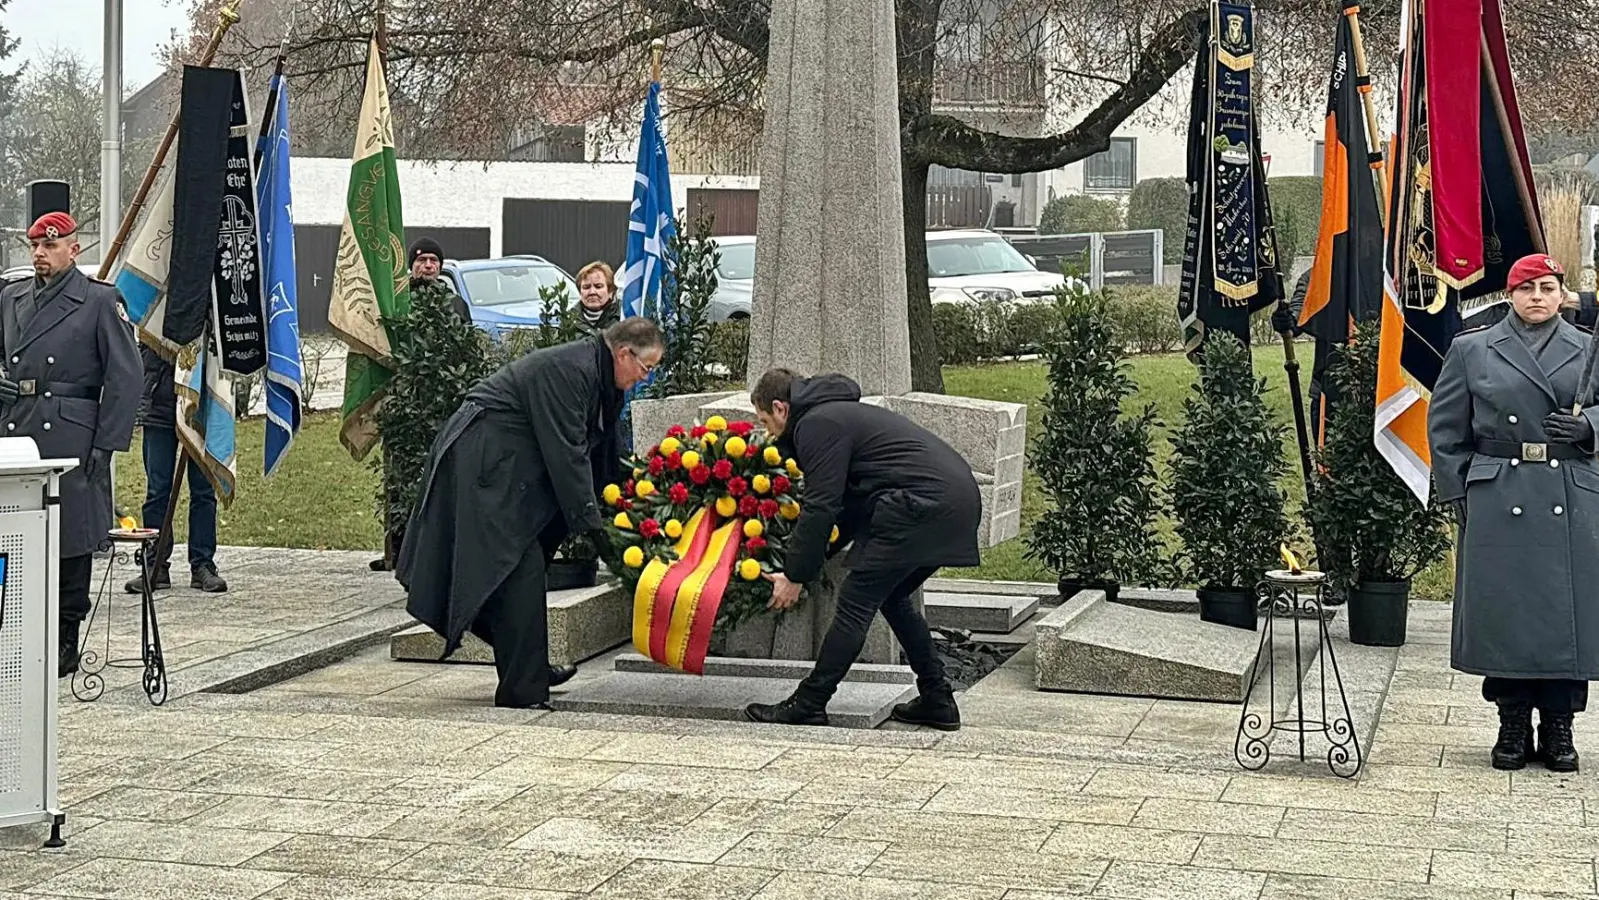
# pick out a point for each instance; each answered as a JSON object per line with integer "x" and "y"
{"x": 716, "y": 496}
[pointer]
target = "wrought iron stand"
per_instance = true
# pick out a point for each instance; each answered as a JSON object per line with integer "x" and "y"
{"x": 1297, "y": 596}
{"x": 89, "y": 683}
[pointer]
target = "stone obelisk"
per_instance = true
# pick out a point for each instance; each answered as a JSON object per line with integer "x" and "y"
{"x": 829, "y": 291}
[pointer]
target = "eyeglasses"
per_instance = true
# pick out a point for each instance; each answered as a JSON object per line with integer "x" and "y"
{"x": 648, "y": 368}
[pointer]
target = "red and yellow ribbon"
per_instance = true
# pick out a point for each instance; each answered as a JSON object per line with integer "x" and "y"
{"x": 675, "y": 604}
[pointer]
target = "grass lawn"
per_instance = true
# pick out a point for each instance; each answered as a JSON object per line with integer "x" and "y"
{"x": 323, "y": 499}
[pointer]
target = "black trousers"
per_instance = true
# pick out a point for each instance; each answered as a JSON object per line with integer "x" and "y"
{"x": 76, "y": 573}
{"x": 863, "y": 595}
{"x": 515, "y": 622}
{"x": 1551, "y": 696}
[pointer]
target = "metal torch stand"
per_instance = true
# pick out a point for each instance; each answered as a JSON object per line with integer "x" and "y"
{"x": 1297, "y": 597}
{"x": 89, "y": 682}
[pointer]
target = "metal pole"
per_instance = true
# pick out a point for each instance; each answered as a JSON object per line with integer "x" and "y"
{"x": 111, "y": 128}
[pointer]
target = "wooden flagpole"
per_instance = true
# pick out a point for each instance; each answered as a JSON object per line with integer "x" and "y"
{"x": 1352, "y": 11}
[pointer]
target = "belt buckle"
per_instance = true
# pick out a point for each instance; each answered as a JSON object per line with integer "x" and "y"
{"x": 1535, "y": 452}
{"x": 27, "y": 387}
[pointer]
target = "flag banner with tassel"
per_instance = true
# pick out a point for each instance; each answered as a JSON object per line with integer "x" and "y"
{"x": 236, "y": 285}
{"x": 285, "y": 374}
{"x": 1346, "y": 281}
{"x": 1230, "y": 255}
{"x": 371, "y": 281}
{"x": 1463, "y": 210}
{"x": 199, "y": 185}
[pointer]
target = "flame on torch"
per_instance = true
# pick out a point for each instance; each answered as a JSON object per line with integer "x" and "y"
{"x": 1289, "y": 559}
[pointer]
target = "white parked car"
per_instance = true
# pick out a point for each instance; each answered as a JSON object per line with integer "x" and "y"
{"x": 972, "y": 265}
{"x": 735, "y": 278}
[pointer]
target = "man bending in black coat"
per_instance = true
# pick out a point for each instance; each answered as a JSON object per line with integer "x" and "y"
{"x": 906, "y": 501}
{"x": 508, "y": 478}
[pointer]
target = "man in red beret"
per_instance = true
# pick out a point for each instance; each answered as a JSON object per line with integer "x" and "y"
{"x": 1511, "y": 426}
{"x": 70, "y": 378}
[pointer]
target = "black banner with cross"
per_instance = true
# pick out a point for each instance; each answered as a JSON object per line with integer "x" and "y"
{"x": 240, "y": 314}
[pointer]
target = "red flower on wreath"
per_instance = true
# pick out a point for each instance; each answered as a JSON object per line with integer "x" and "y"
{"x": 655, "y": 450}
{"x": 723, "y": 469}
{"x": 755, "y": 544}
{"x": 627, "y": 488}
{"x": 676, "y": 431}
{"x": 657, "y": 465}
{"x": 649, "y": 528}
{"x": 748, "y": 506}
{"x": 781, "y": 484}
{"x": 768, "y": 509}
{"x": 742, "y": 429}
{"x": 699, "y": 431}
{"x": 700, "y": 474}
{"x": 737, "y": 486}
{"x": 675, "y": 461}
{"x": 678, "y": 493}
{"x": 624, "y": 503}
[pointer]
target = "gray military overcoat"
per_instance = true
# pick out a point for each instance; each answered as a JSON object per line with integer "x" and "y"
{"x": 83, "y": 361}
{"x": 1527, "y": 575}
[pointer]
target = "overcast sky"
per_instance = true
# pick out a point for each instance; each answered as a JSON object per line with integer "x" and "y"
{"x": 75, "y": 25}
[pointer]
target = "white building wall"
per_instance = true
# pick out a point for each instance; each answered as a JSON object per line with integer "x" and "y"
{"x": 471, "y": 194}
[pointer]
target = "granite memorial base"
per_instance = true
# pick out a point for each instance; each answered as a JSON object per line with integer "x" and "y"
{"x": 1092, "y": 645}
{"x": 640, "y": 687}
{"x": 584, "y": 622}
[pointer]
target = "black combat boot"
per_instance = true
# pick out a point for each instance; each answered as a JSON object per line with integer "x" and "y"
{"x": 934, "y": 708}
{"x": 796, "y": 710}
{"x": 205, "y": 578}
{"x": 162, "y": 581}
{"x": 1515, "y": 735}
{"x": 1555, "y": 745}
{"x": 67, "y": 647}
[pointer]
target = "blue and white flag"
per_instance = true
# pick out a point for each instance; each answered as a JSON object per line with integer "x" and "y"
{"x": 284, "y": 373}
{"x": 651, "y": 225}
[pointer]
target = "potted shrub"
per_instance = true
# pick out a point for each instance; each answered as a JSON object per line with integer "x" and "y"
{"x": 1373, "y": 535}
{"x": 1096, "y": 464}
{"x": 1227, "y": 465}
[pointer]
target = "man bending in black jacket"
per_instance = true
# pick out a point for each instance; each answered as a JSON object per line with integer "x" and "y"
{"x": 906, "y": 501}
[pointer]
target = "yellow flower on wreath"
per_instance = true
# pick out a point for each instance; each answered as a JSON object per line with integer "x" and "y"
{"x": 749, "y": 570}
{"x": 633, "y": 557}
{"x": 644, "y": 489}
{"x": 622, "y": 521}
{"x": 670, "y": 446}
{"x": 761, "y": 484}
{"x": 716, "y": 423}
{"x": 833, "y": 538}
{"x": 611, "y": 494}
{"x": 673, "y": 529}
{"x": 726, "y": 506}
{"x": 709, "y": 440}
{"x": 773, "y": 456}
{"x": 790, "y": 511}
{"x": 691, "y": 460}
{"x": 793, "y": 469}
{"x": 753, "y": 528}
{"x": 735, "y": 447}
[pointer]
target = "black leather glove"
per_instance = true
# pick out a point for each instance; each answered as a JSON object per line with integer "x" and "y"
{"x": 1283, "y": 319}
{"x": 1566, "y": 428}
{"x": 602, "y": 547}
{"x": 98, "y": 463}
{"x": 9, "y": 391}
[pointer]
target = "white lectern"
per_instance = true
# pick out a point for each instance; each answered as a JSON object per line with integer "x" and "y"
{"x": 30, "y": 510}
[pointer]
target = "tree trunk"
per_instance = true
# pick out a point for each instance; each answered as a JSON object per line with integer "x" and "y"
{"x": 926, "y": 372}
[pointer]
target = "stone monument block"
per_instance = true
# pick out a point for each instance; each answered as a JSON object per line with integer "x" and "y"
{"x": 651, "y": 418}
{"x": 993, "y": 613}
{"x": 583, "y": 623}
{"x": 1091, "y": 645}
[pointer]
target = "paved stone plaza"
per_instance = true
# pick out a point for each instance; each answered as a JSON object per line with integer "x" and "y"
{"x": 372, "y": 779}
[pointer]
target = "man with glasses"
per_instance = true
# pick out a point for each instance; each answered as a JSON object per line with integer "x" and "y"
{"x": 509, "y": 477}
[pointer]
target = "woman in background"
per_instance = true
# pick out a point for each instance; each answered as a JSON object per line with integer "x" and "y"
{"x": 596, "y": 294}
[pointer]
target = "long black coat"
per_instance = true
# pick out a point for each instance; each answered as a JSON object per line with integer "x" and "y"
{"x": 80, "y": 354}
{"x": 905, "y": 498}
{"x": 513, "y": 465}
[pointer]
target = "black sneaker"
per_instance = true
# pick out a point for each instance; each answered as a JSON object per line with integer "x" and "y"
{"x": 935, "y": 710}
{"x": 162, "y": 582}
{"x": 792, "y": 711}
{"x": 206, "y": 579}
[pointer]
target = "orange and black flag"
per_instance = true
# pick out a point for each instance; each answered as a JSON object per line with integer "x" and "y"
{"x": 1346, "y": 281}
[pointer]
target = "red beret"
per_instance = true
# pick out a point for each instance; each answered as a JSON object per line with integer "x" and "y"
{"x": 51, "y": 226}
{"x": 1531, "y": 268}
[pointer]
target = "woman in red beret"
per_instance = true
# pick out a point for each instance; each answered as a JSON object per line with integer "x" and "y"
{"x": 1512, "y": 436}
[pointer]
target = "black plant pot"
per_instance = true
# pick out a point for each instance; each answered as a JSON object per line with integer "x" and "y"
{"x": 1070, "y": 586}
{"x": 1378, "y": 613}
{"x": 1228, "y": 607}
{"x": 566, "y": 574}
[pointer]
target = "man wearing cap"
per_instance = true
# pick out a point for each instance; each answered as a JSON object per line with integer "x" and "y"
{"x": 71, "y": 380}
{"x": 427, "y": 258}
{"x": 1517, "y": 464}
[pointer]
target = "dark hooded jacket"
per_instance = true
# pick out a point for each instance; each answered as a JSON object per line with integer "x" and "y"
{"x": 905, "y": 498}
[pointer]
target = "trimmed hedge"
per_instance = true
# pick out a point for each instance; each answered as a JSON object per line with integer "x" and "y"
{"x": 1161, "y": 203}
{"x": 1080, "y": 214}
{"x": 1295, "y": 203}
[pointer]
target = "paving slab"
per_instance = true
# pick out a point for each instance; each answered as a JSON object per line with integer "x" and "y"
{"x": 1094, "y": 646}
{"x": 583, "y": 623}
{"x": 878, "y": 673}
{"x": 856, "y": 705}
{"x": 978, "y": 612}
